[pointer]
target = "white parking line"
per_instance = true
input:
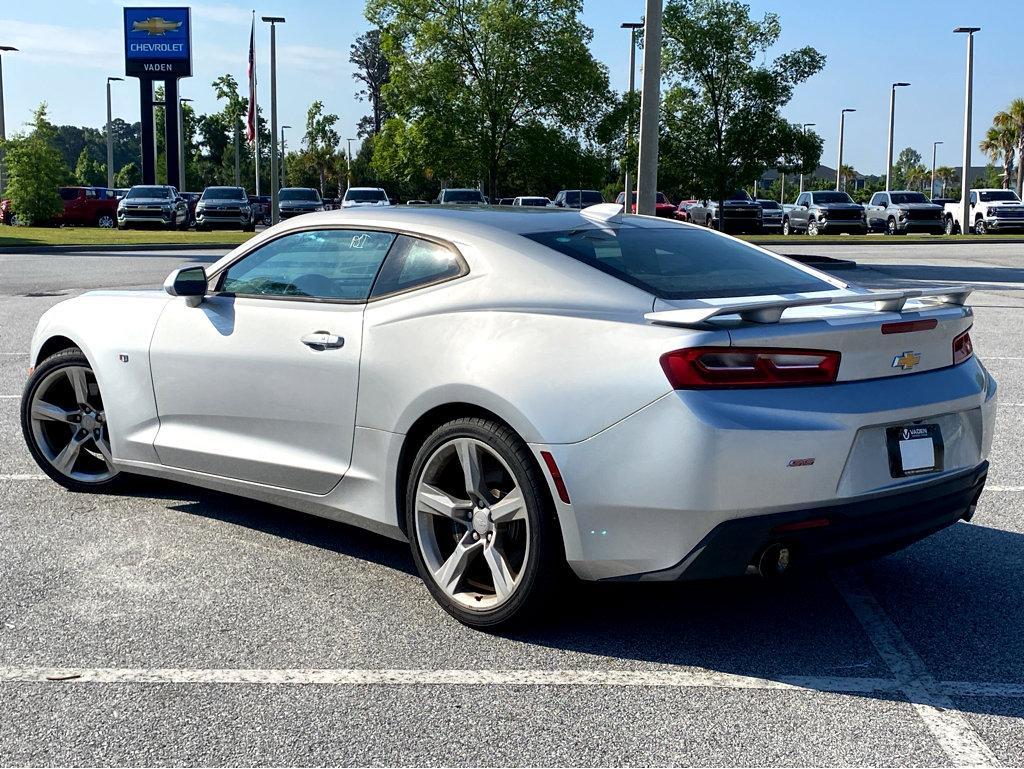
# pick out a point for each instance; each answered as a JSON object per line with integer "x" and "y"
{"x": 958, "y": 739}
{"x": 693, "y": 678}
{"x": 23, "y": 477}
{"x": 1004, "y": 488}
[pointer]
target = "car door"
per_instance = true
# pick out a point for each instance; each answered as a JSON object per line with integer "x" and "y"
{"x": 259, "y": 381}
{"x": 799, "y": 215}
{"x": 875, "y": 210}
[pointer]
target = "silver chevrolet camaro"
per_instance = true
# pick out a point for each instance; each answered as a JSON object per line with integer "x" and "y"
{"x": 514, "y": 390}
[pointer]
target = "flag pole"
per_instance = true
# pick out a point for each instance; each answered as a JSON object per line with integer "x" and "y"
{"x": 255, "y": 108}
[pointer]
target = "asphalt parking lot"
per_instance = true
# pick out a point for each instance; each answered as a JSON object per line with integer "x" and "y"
{"x": 172, "y": 625}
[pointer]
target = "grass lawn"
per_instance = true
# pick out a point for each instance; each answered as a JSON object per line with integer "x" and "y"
{"x": 94, "y": 236}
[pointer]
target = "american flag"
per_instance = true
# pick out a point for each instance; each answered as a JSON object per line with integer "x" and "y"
{"x": 250, "y": 128}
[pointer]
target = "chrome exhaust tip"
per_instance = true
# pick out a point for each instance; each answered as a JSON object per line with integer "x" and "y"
{"x": 775, "y": 561}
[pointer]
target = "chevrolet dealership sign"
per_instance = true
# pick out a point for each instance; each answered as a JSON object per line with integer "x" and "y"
{"x": 157, "y": 42}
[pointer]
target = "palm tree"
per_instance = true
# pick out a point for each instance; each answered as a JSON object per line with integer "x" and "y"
{"x": 917, "y": 176}
{"x": 945, "y": 175}
{"x": 1000, "y": 144}
{"x": 846, "y": 173}
{"x": 1012, "y": 119}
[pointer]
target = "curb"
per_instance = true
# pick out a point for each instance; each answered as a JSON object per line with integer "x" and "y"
{"x": 117, "y": 247}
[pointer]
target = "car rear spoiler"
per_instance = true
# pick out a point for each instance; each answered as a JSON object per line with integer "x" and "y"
{"x": 770, "y": 310}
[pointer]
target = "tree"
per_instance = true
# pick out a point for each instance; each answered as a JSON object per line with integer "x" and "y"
{"x": 373, "y": 71}
{"x": 89, "y": 172}
{"x": 35, "y": 170}
{"x": 722, "y": 121}
{"x": 467, "y": 76}
{"x": 846, "y": 173}
{"x": 129, "y": 175}
{"x": 321, "y": 140}
{"x": 907, "y": 159}
{"x": 916, "y": 176}
{"x": 945, "y": 175}
{"x": 1012, "y": 119}
{"x": 1000, "y": 144}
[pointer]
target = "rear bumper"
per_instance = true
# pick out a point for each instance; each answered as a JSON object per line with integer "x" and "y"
{"x": 832, "y": 535}
{"x": 648, "y": 490}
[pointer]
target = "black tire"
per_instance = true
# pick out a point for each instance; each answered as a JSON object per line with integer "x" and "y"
{"x": 890, "y": 227}
{"x": 544, "y": 565}
{"x": 950, "y": 227}
{"x": 980, "y": 228}
{"x": 69, "y": 357}
{"x": 786, "y": 230}
{"x": 812, "y": 227}
{"x": 106, "y": 221}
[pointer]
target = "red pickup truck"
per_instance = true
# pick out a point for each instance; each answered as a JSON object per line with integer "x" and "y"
{"x": 91, "y": 206}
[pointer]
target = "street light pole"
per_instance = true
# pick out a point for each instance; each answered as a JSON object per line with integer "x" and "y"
{"x": 965, "y": 169}
{"x": 110, "y": 136}
{"x": 348, "y": 174}
{"x": 181, "y": 144}
{"x": 284, "y": 171}
{"x": 274, "y": 185}
{"x": 627, "y": 202}
{"x": 892, "y": 122}
{"x": 803, "y": 129}
{"x": 931, "y": 190}
{"x": 842, "y": 130}
{"x": 3, "y": 132}
{"x": 650, "y": 107}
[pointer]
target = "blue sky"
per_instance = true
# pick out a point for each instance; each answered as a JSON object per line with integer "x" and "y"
{"x": 68, "y": 47}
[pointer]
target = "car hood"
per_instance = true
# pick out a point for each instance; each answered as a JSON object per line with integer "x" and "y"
{"x": 918, "y": 206}
{"x": 1005, "y": 204}
{"x": 362, "y": 203}
{"x": 840, "y": 206}
{"x": 299, "y": 204}
{"x": 147, "y": 201}
{"x": 223, "y": 203}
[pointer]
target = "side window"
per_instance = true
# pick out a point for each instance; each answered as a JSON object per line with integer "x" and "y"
{"x": 878, "y": 199}
{"x": 414, "y": 262}
{"x": 324, "y": 264}
{"x": 804, "y": 198}
{"x": 974, "y": 198}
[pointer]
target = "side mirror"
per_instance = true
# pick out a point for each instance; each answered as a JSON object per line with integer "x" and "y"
{"x": 189, "y": 282}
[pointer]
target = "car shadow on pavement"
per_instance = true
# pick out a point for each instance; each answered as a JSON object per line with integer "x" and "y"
{"x": 956, "y": 597}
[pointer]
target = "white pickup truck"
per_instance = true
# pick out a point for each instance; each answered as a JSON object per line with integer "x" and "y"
{"x": 992, "y": 210}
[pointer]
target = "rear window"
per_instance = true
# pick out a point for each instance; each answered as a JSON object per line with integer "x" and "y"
{"x": 584, "y": 197}
{"x": 680, "y": 262}
{"x": 465, "y": 196}
{"x": 365, "y": 196}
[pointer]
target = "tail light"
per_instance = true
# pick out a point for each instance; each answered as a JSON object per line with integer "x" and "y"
{"x": 701, "y": 368}
{"x": 962, "y": 347}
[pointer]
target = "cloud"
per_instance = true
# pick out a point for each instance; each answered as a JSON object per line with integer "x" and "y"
{"x": 52, "y": 43}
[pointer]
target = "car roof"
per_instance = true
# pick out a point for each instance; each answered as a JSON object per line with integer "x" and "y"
{"x": 472, "y": 222}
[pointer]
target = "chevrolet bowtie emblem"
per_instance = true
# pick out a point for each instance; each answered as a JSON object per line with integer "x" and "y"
{"x": 155, "y": 25}
{"x": 906, "y": 360}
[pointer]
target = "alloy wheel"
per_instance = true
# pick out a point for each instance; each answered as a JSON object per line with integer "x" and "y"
{"x": 69, "y": 425}
{"x": 472, "y": 526}
{"x": 106, "y": 221}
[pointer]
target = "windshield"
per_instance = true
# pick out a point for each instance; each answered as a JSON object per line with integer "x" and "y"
{"x": 832, "y": 197}
{"x": 588, "y": 197}
{"x": 365, "y": 196}
{"x": 908, "y": 197}
{"x": 991, "y": 197}
{"x": 299, "y": 193}
{"x": 770, "y": 205}
{"x": 460, "y": 196}
{"x": 533, "y": 201}
{"x": 150, "y": 192}
{"x": 739, "y": 195}
{"x": 224, "y": 193}
{"x": 681, "y": 263}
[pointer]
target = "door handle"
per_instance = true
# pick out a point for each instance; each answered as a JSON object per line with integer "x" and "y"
{"x": 323, "y": 340}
